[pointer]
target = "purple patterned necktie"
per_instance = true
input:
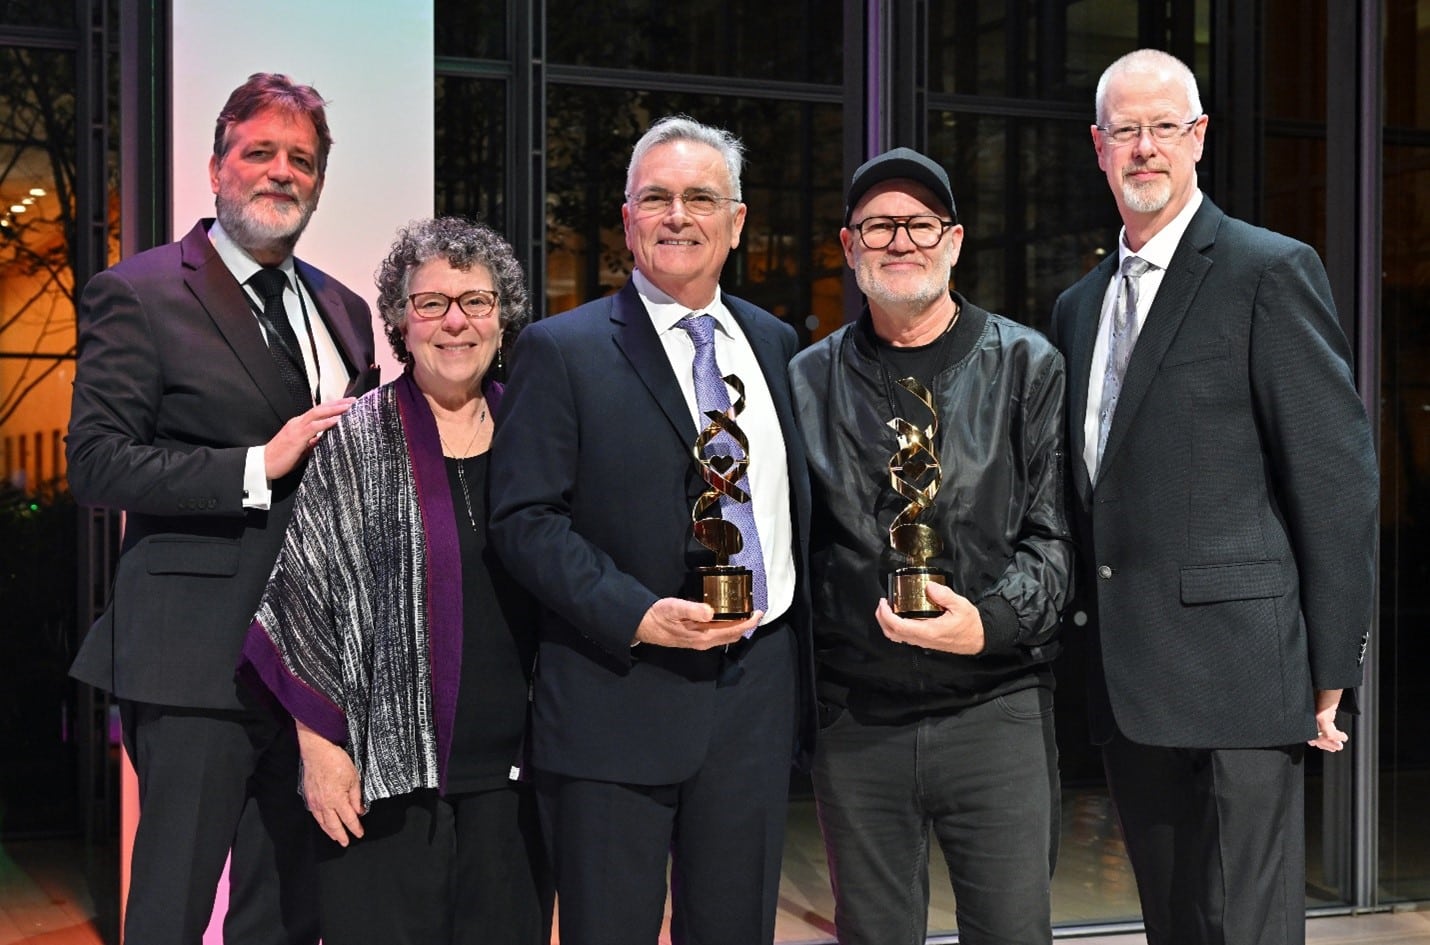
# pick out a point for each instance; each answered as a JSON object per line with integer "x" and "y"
{"x": 711, "y": 394}
{"x": 1119, "y": 345}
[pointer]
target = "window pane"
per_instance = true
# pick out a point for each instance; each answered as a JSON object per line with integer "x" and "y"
{"x": 475, "y": 29}
{"x": 1035, "y": 209}
{"x": 795, "y": 41}
{"x": 788, "y": 260}
{"x": 1405, "y": 457}
{"x": 37, "y": 518}
{"x": 1047, "y": 50}
{"x": 57, "y": 14}
{"x": 1295, "y": 81}
{"x": 470, "y": 150}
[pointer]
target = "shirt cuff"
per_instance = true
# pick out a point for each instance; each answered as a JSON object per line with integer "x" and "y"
{"x": 1000, "y": 624}
{"x": 257, "y": 494}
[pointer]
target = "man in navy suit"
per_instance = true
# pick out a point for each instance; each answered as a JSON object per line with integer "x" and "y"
{"x": 659, "y": 733}
{"x": 184, "y": 418}
{"x": 1224, "y": 489}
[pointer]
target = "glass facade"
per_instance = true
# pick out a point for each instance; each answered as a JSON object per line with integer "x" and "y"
{"x": 537, "y": 105}
{"x": 1404, "y": 860}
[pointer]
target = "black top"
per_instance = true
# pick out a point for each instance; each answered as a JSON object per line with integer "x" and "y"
{"x": 498, "y": 646}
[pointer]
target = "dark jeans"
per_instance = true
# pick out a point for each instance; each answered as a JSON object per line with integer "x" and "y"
{"x": 984, "y": 779}
{"x": 1216, "y": 838}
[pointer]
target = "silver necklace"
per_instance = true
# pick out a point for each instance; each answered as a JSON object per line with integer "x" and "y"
{"x": 462, "y": 466}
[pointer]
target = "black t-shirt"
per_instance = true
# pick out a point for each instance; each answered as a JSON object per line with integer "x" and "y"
{"x": 498, "y": 646}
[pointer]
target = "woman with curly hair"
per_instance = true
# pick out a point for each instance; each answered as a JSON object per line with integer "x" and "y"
{"x": 394, "y": 637}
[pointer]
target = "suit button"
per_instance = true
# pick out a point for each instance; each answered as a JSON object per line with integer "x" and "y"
{"x": 1104, "y": 571}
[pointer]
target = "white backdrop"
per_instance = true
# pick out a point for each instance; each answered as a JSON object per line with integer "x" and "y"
{"x": 372, "y": 61}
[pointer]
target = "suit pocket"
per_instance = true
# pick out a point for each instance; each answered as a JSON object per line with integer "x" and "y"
{"x": 1247, "y": 580}
{"x": 199, "y": 556}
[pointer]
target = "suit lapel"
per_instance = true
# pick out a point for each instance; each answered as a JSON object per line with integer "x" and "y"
{"x": 334, "y": 315}
{"x": 768, "y": 352}
{"x": 227, "y": 306}
{"x": 636, "y": 338}
{"x": 1179, "y": 287}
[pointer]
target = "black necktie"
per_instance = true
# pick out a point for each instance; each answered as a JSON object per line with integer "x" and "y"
{"x": 282, "y": 341}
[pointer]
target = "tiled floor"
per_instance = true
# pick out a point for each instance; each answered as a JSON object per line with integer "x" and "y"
{"x": 49, "y": 890}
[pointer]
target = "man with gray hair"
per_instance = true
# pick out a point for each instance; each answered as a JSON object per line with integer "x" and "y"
{"x": 1223, "y": 484}
{"x": 662, "y": 731}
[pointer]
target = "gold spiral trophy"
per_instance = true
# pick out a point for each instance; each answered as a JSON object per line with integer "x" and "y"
{"x": 726, "y": 587}
{"x": 915, "y": 474}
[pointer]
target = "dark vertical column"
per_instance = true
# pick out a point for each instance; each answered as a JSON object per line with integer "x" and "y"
{"x": 526, "y": 144}
{"x": 862, "y": 107}
{"x": 1355, "y": 119}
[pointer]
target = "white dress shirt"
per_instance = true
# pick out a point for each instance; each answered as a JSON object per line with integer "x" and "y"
{"x": 1157, "y": 251}
{"x": 323, "y": 363}
{"x": 768, "y": 470}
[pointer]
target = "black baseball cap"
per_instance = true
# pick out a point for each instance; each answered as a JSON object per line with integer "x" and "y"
{"x": 899, "y": 164}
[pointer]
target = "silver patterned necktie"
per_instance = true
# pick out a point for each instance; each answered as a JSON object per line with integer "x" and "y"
{"x": 1119, "y": 345}
{"x": 712, "y": 394}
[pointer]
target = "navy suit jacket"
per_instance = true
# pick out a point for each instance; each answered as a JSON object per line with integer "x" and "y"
{"x": 593, "y": 482}
{"x": 173, "y": 384}
{"x": 1228, "y": 545}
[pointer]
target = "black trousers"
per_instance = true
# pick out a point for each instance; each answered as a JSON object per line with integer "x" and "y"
{"x": 211, "y": 782}
{"x": 1217, "y": 841}
{"x": 466, "y": 869}
{"x": 720, "y": 831}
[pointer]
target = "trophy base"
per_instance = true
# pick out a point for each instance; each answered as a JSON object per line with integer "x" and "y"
{"x": 908, "y": 595}
{"x": 728, "y": 589}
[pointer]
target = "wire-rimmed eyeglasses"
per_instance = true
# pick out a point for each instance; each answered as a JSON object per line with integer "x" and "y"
{"x": 654, "y": 200}
{"x": 1161, "y": 130}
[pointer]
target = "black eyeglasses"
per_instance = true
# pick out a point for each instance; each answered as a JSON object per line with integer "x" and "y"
{"x": 653, "y": 200}
{"x": 1161, "y": 130}
{"x": 924, "y": 232}
{"x": 479, "y": 303}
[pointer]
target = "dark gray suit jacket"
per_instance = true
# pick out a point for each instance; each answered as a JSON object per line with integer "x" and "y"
{"x": 173, "y": 384}
{"x": 1228, "y": 545}
{"x": 592, "y": 488}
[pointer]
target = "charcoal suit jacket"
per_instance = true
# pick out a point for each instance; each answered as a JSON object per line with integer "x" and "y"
{"x": 174, "y": 382}
{"x": 1228, "y": 543}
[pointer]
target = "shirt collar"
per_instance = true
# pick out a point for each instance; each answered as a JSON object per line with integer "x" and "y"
{"x": 236, "y": 258}
{"x": 1159, "y": 249}
{"x": 664, "y": 311}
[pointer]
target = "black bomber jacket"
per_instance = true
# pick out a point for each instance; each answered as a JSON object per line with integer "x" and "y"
{"x": 1000, "y": 511}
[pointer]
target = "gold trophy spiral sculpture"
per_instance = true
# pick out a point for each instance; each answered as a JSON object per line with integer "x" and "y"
{"x": 727, "y": 588}
{"x": 915, "y": 474}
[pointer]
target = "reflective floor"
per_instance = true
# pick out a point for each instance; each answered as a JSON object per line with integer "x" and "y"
{"x": 57, "y": 892}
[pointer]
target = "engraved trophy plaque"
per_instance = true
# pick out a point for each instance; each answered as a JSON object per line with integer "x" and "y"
{"x": 726, "y": 587}
{"x": 915, "y": 474}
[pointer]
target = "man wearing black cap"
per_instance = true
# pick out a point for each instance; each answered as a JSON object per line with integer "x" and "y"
{"x": 943, "y": 721}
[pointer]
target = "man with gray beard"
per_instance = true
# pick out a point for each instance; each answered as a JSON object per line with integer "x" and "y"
{"x": 1223, "y": 486}
{"x": 207, "y": 370}
{"x": 940, "y": 720}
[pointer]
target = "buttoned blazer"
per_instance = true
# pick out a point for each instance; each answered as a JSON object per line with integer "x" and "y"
{"x": 1228, "y": 542}
{"x": 593, "y": 482}
{"x": 174, "y": 382}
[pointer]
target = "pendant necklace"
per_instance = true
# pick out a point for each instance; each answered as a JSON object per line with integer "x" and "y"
{"x": 461, "y": 465}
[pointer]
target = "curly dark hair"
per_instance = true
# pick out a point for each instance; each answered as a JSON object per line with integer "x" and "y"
{"x": 463, "y": 244}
